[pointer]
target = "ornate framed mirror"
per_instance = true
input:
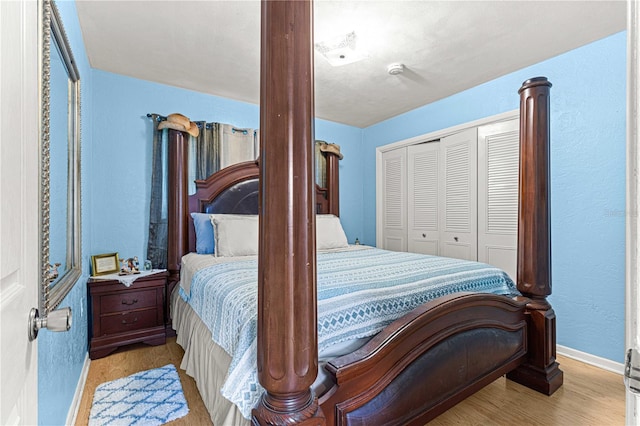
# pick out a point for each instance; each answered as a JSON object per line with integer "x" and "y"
{"x": 60, "y": 164}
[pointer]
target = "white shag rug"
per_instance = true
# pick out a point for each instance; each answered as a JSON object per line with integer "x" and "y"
{"x": 151, "y": 397}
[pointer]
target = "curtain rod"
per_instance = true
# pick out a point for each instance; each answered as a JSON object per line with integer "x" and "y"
{"x": 160, "y": 117}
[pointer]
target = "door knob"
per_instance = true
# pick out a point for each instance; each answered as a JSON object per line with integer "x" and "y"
{"x": 455, "y": 239}
{"x": 58, "y": 320}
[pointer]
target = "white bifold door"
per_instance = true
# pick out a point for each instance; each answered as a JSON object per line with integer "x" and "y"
{"x": 442, "y": 186}
{"x": 456, "y": 196}
{"x": 498, "y": 165}
{"x": 459, "y": 187}
{"x": 424, "y": 198}
{"x": 394, "y": 200}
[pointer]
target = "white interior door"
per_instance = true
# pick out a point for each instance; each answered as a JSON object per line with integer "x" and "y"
{"x": 632, "y": 296}
{"x": 423, "y": 198}
{"x": 459, "y": 186}
{"x": 394, "y": 200}
{"x": 498, "y": 157}
{"x": 19, "y": 208}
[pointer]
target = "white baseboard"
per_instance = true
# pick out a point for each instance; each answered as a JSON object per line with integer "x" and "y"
{"x": 604, "y": 363}
{"x": 77, "y": 397}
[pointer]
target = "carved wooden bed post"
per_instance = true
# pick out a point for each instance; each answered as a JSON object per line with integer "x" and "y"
{"x": 540, "y": 371}
{"x": 329, "y": 196}
{"x": 332, "y": 183}
{"x": 287, "y": 316}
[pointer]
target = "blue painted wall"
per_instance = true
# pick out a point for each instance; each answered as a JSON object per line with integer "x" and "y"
{"x": 351, "y": 183}
{"x": 587, "y": 180}
{"x": 61, "y": 355}
{"x": 122, "y": 154}
{"x": 121, "y": 163}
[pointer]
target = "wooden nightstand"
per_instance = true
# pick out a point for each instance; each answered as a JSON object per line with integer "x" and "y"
{"x": 121, "y": 315}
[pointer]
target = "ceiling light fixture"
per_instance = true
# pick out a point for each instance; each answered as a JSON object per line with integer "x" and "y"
{"x": 341, "y": 50}
{"x": 395, "y": 69}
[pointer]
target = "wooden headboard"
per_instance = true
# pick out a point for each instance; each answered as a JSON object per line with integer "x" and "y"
{"x": 232, "y": 190}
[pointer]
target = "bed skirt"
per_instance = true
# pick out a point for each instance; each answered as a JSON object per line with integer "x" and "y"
{"x": 205, "y": 361}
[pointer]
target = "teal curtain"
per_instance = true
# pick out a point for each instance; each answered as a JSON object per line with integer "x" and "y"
{"x": 157, "y": 243}
{"x": 216, "y": 143}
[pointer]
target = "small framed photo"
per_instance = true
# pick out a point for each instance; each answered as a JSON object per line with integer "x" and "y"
{"x": 104, "y": 264}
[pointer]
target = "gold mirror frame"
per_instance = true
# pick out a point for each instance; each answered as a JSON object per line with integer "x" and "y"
{"x": 52, "y": 295}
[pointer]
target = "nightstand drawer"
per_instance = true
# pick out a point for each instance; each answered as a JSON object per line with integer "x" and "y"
{"x": 128, "y": 300}
{"x": 129, "y": 321}
{"x": 120, "y": 315}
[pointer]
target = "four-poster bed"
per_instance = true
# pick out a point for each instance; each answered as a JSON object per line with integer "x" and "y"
{"x": 423, "y": 362}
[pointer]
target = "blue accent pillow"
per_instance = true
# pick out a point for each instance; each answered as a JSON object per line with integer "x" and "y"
{"x": 205, "y": 243}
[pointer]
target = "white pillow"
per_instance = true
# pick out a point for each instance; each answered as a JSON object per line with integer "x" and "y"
{"x": 329, "y": 232}
{"x": 236, "y": 235}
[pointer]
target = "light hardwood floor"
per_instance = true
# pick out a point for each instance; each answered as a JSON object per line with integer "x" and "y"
{"x": 589, "y": 396}
{"x": 139, "y": 357}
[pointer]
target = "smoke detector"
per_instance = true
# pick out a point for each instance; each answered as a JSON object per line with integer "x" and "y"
{"x": 395, "y": 69}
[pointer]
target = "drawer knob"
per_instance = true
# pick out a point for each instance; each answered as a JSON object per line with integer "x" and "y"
{"x": 133, "y": 302}
{"x": 134, "y": 320}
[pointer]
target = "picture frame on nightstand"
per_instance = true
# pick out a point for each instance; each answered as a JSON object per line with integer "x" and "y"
{"x": 103, "y": 264}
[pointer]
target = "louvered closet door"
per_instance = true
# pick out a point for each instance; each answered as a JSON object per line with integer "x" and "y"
{"x": 458, "y": 186}
{"x": 498, "y": 156}
{"x": 394, "y": 199}
{"x": 423, "y": 177}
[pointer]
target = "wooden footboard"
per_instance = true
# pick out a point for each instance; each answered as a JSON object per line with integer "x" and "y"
{"x": 427, "y": 361}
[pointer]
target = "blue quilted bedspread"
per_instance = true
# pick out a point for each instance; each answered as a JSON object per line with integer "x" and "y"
{"x": 359, "y": 293}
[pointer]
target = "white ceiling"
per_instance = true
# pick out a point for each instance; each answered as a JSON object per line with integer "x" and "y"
{"x": 213, "y": 47}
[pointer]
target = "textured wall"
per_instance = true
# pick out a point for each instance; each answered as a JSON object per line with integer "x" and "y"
{"x": 587, "y": 180}
{"x": 121, "y": 163}
{"x": 61, "y": 355}
{"x": 351, "y": 183}
{"x": 122, "y": 155}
